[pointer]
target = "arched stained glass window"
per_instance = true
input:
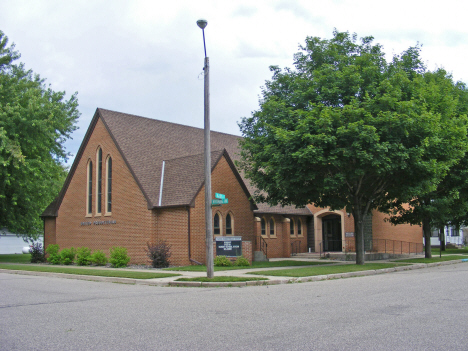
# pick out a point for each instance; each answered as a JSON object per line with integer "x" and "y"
{"x": 272, "y": 227}
{"x": 217, "y": 224}
{"x": 99, "y": 181}
{"x": 109, "y": 185}
{"x": 229, "y": 224}
{"x": 263, "y": 225}
{"x": 90, "y": 188}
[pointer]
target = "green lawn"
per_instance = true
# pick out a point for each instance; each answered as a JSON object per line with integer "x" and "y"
{"x": 324, "y": 270}
{"x": 433, "y": 259}
{"x": 285, "y": 263}
{"x": 220, "y": 279}
{"x": 15, "y": 258}
{"x": 436, "y": 251}
{"x": 88, "y": 271}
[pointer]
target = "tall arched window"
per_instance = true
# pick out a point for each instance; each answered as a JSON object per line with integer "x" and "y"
{"x": 217, "y": 224}
{"x": 89, "y": 189}
{"x": 229, "y": 224}
{"x": 272, "y": 227}
{"x": 99, "y": 181}
{"x": 263, "y": 225}
{"x": 299, "y": 227}
{"x": 291, "y": 227}
{"x": 109, "y": 185}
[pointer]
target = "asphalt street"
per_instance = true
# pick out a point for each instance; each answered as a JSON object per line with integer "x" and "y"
{"x": 423, "y": 309}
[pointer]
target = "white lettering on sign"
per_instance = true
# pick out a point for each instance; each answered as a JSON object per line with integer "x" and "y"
{"x": 99, "y": 222}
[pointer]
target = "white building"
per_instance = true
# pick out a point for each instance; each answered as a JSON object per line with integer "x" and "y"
{"x": 451, "y": 234}
{"x": 12, "y": 244}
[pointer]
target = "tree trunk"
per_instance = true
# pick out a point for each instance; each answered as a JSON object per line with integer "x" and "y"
{"x": 426, "y": 224}
{"x": 359, "y": 236}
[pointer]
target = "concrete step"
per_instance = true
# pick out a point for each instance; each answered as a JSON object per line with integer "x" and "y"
{"x": 259, "y": 256}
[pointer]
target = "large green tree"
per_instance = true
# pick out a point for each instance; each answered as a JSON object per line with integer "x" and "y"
{"x": 447, "y": 204}
{"x": 347, "y": 129}
{"x": 35, "y": 121}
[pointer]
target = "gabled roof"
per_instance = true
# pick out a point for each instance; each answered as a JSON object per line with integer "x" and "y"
{"x": 145, "y": 143}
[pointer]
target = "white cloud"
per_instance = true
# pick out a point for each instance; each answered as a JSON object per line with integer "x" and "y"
{"x": 145, "y": 57}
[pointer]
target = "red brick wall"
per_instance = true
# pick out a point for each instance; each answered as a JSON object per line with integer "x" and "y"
{"x": 49, "y": 231}
{"x": 172, "y": 226}
{"x": 223, "y": 181}
{"x": 382, "y": 229}
{"x": 280, "y": 244}
{"x": 134, "y": 222}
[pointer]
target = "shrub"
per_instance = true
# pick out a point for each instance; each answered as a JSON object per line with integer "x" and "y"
{"x": 37, "y": 253}
{"x": 52, "y": 251}
{"x": 222, "y": 261}
{"x": 159, "y": 254}
{"x": 67, "y": 256}
{"x": 98, "y": 258}
{"x": 83, "y": 256}
{"x": 242, "y": 261}
{"x": 119, "y": 257}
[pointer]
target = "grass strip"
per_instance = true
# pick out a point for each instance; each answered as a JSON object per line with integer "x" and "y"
{"x": 432, "y": 260}
{"x": 324, "y": 270}
{"x": 88, "y": 271}
{"x": 220, "y": 279}
{"x": 285, "y": 263}
{"x": 436, "y": 251}
{"x": 15, "y": 258}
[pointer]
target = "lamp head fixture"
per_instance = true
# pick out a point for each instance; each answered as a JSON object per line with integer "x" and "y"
{"x": 202, "y": 23}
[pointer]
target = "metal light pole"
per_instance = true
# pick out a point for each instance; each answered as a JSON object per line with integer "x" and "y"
{"x": 208, "y": 216}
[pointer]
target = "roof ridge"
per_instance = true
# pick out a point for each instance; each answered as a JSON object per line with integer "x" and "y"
{"x": 162, "y": 121}
{"x": 192, "y": 155}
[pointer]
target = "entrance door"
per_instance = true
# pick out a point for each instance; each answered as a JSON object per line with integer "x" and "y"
{"x": 331, "y": 233}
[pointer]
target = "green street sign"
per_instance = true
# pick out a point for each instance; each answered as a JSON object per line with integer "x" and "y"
{"x": 220, "y": 196}
{"x": 219, "y": 201}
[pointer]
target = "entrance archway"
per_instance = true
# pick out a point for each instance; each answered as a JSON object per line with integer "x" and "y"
{"x": 331, "y": 232}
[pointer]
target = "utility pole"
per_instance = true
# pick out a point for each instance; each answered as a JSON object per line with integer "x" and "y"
{"x": 208, "y": 215}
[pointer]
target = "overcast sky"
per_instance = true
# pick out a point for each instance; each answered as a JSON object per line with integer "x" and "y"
{"x": 146, "y": 57}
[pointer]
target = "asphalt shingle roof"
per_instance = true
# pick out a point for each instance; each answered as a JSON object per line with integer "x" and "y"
{"x": 145, "y": 143}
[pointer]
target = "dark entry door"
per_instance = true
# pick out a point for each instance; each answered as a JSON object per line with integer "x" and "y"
{"x": 331, "y": 233}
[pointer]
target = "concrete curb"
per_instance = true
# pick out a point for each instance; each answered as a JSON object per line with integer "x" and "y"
{"x": 153, "y": 282}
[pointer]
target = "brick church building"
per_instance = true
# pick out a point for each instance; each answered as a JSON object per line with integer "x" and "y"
{"x": 137, "y": 180}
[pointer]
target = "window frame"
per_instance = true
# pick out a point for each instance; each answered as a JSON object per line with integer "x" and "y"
{"x": 99, "y": 181}
{"x": 300, "y": 232}
{"x": 231, "y": 227}
{"x": 292, "y": 225}
{"x": 220, "y": 223}
{"x": 272, "y": 229}
{"x": 108, "y": 197}
{"x": 89, "y": 189}
{"x": 263, "y": 227}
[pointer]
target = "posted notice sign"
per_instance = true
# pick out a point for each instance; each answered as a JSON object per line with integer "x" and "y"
{"x": 229, "y": 246}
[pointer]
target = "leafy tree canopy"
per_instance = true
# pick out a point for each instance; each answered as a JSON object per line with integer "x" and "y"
{"x": 35, "y": 121}
{"x": 347, "y": 129}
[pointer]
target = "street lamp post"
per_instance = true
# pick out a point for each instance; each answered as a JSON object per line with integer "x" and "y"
{"x": 208, "y": 220}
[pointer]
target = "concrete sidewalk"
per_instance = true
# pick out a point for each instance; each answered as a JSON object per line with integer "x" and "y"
{"x": 272, "y": 280}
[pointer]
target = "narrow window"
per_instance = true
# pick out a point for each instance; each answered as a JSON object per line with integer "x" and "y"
{"x": 263, "y": 224}
{"x": 99, "y": 182}
{"x": 272, "y": 227}
{"x": 216, "y": 225}
{"x": 109, "y": 185}
{"x": 291, "y": 227}
{"x": 299, "y": 227}
{"x": 228, "y": 224}
{"x": 90, "y": 188}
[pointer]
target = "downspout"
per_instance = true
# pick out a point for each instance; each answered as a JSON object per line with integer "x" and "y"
{"x": 188, "y": 239}
{"x": 162, "y": 182}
